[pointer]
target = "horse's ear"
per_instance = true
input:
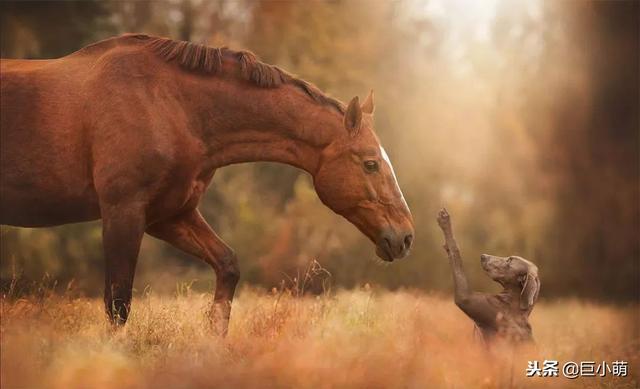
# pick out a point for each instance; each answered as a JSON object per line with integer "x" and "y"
{"x": 353, "y": 116}
{"x": 368, "y": 106}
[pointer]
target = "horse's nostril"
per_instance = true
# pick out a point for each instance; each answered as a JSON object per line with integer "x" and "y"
{"x": 387, "y": 242}
{"x": 408, "y": 240}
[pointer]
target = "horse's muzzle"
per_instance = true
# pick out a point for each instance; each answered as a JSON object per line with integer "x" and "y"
{"x": 394, "y": 245}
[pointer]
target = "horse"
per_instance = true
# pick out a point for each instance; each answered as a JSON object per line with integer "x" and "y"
{"x": 131, "y": 130}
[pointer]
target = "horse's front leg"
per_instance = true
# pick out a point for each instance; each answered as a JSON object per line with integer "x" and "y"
{"x": 122, "y": 231}
{"x": 191, "y": 233}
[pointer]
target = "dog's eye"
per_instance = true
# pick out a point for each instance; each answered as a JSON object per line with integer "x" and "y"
{"x": 509, "y": 259}
{"x": 371, "y": 166}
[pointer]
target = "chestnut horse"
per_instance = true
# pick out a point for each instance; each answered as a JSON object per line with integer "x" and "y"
{"x": 131, "y": 130}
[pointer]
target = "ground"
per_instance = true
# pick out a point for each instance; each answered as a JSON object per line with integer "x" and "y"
{"x": 363, "y": 338}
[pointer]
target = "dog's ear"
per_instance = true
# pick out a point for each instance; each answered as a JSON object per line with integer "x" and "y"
{"x": 530, "y": 289}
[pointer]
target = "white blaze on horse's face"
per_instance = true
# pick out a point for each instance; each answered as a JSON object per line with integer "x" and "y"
{"x": 385, "y": 157}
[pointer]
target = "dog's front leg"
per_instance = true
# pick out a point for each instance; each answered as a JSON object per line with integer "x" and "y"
{"x": 461, "y": 286}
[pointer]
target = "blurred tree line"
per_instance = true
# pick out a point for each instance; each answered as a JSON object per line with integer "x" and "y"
{"x": 521, "y": 118}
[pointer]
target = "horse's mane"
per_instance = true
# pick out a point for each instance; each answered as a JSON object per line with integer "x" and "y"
{"x": 200, "y": 58}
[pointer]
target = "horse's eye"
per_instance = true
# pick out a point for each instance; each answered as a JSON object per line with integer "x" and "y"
{"x": 371, "y": 166}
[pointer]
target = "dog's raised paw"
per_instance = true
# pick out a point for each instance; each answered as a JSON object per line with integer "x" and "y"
{"x": 443, "y": 217}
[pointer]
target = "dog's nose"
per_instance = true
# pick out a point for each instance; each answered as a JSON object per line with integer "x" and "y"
{"x": 484, "y": 258}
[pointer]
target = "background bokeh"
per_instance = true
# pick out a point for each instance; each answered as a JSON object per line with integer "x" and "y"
{"x": 520, "y": 116}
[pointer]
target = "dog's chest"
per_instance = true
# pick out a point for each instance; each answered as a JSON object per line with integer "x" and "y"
{"x": 506, "y": 327}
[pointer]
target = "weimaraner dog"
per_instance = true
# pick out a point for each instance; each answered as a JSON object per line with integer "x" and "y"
{"x": 504, "y": 315}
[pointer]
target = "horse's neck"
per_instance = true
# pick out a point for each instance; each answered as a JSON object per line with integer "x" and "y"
{"x": 250, "y": 124}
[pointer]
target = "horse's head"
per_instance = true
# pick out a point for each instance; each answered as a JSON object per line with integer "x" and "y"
{"x": 356, "y": 180}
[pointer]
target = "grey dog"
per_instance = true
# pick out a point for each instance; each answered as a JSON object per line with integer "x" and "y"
{"x": 504, "y": 315}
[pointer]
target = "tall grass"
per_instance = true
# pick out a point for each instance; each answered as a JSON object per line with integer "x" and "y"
{"x": 282, "y": 338}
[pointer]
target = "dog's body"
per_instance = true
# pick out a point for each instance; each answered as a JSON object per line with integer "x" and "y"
{"x": 503, "y": 315}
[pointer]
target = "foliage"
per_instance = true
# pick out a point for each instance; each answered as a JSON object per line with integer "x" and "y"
{"x": 520, "y": 117}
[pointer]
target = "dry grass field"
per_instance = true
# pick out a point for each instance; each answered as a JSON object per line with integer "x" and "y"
{"x": 364, "y": 338}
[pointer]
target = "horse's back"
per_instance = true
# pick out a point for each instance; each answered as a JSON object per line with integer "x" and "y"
{"x": 78, "y": 128}
{"x": 22, "y": 65}
{"x": 44, "y": 154}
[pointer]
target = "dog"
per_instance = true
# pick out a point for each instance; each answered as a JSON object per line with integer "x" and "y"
{"x": 504, "y": 315}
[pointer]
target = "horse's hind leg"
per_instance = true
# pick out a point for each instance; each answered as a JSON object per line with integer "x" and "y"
{"x": 122, "y": 231}
{"x": 191, "y": 233}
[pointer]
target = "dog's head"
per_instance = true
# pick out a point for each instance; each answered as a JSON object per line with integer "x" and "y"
{"x": 516, "y": 273}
